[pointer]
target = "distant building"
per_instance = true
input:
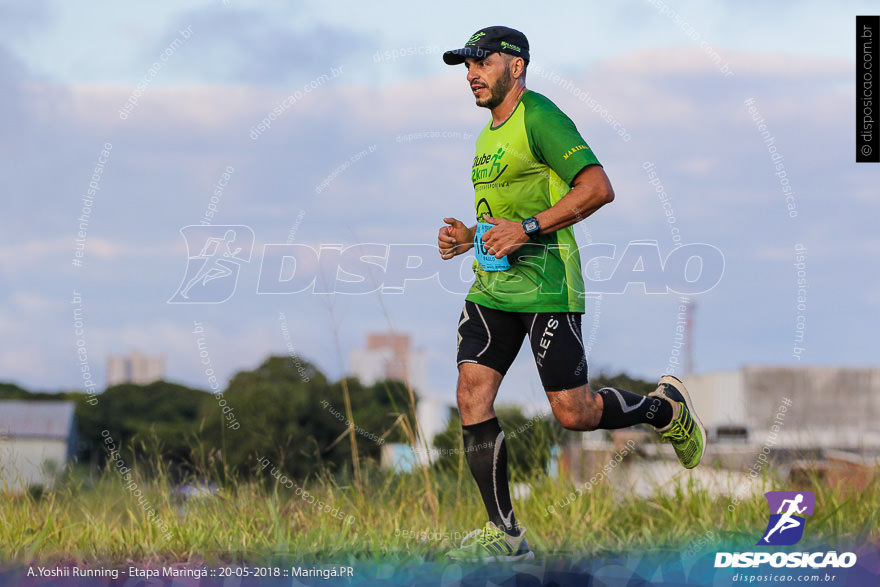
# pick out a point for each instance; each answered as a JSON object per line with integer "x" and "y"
{"x": 37, "y": 440}
{"x": 801, "y": 423}
{"x": 802, "y": 407}
{"x": 390, "y": 356}
{"x": 135, "y": 368}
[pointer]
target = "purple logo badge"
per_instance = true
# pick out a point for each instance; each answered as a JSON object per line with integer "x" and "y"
{"x": 787, "y": 511}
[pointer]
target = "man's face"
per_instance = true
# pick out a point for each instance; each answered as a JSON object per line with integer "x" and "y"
{"x": 490, "y": 79}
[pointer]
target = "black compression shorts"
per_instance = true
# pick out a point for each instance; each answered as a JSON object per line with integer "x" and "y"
{"x": 493, "y": 338}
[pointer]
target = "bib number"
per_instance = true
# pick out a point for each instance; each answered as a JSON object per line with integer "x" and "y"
{"x": 487, "y": 262}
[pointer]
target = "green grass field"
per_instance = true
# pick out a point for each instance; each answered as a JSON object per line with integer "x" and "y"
{"x": 383, "y": 516}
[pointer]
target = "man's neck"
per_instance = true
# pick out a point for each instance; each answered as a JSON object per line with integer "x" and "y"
{"x": 503, "y": 111}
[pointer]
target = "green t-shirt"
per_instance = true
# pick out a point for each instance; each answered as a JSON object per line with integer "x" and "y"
{"x": 521, "y": 168}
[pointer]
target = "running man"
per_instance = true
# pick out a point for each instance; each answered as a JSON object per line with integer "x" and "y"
{"x": 787, "y": 522}
{"x": 534, "y": 177}
{"x": 214, "y": 264}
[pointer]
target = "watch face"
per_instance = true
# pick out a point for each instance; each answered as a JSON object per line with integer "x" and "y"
{"x": 530, "y": 225}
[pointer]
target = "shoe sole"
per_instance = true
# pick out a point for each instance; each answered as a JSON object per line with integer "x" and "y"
{"x": 679, "y": 386}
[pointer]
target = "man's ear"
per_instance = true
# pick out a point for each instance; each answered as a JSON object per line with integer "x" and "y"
{"x": 518, "y": 66}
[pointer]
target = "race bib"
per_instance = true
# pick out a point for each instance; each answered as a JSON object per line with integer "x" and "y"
{"x": 487, "y": 262}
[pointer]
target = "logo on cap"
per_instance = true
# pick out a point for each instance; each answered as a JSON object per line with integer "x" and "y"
{"x": 475, "y": 38}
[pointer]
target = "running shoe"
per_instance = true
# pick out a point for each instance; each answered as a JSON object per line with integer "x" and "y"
{"x": 491, "y": 544}
{"x": 685, "y": 433}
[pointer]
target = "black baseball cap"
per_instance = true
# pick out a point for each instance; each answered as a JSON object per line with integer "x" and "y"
{"x": 492, "y": 39}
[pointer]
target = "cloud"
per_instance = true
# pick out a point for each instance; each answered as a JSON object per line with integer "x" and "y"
{"x": 22, "y": 18}
{"x": 665, "y": 62}
{"x": 240, "y": 46}
{"x": 12, "y": 99}
{"x": 688, "y": 119}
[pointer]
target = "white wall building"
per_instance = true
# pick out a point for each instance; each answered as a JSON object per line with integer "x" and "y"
{"x": 37, "y": 440}
{"x": 811, "y": 407}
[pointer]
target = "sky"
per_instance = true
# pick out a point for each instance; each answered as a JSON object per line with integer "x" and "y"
{"x": 726, "y": 128}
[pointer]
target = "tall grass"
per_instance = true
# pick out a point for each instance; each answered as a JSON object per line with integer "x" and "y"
{"x": 385, "y": 516}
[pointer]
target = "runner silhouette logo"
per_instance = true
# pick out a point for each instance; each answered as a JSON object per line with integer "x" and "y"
{"x": 787, "y": 511}
{"x": 214, "y": 258}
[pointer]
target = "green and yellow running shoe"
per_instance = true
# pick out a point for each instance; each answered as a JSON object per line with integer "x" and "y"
{"x": 685, "y": 433}
{"x": 491, "y": 544}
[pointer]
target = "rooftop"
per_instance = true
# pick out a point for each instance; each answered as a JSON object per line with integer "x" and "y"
{"x": 36, "y": 419}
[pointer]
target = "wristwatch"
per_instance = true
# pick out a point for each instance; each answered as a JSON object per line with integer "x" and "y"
{"x": 531, "y": 227}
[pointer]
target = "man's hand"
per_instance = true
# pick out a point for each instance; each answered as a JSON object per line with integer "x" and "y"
{"x": 504, "y": 238}
{"x": 454, "y": 239}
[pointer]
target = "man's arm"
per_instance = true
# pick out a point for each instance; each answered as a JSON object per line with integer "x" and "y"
{"x": 590, "y": 190}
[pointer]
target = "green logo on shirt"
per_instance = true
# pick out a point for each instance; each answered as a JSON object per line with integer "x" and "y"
{"x": 494, "y": 170}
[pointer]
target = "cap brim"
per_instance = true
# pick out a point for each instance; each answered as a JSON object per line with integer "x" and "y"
{"x": 457, "y": 56}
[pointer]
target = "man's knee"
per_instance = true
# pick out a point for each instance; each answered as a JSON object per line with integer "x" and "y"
{"x": 472, "y": 390}
{"x": 476, "y": 391}
{"x": 576, "y": 409}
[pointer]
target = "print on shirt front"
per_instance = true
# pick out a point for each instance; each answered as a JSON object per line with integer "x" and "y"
{"x": 521, "y": 168}
{"x": 481, "y": 175}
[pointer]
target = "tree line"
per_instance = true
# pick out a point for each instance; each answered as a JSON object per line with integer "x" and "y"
{"x": 287, "y": 412}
